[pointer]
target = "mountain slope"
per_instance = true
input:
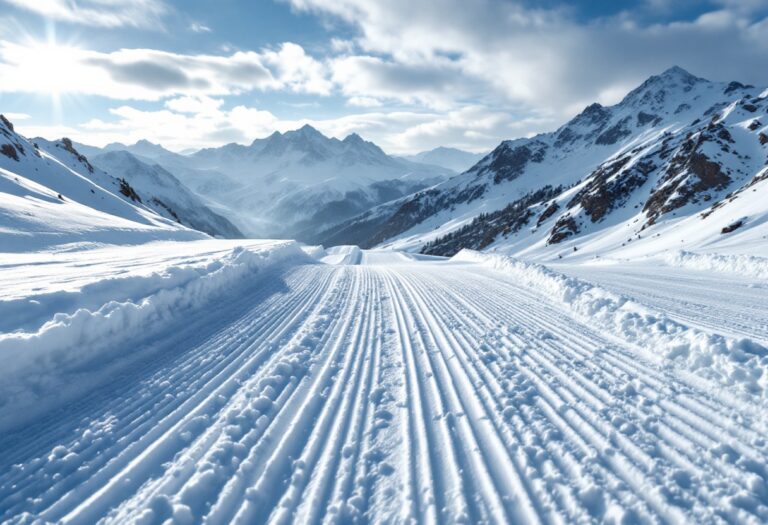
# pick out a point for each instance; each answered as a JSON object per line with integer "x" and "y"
{"x": 292, "y": 184}
{"x": 300, "y": 182}
{"x": 450, "y": 158}
{"x": 165, "y": 194}
{"x": 46, "y": 201}
{"x": 677, "y": 164}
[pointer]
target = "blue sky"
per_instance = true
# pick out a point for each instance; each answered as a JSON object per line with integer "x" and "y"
{"x": 408, "y": 75}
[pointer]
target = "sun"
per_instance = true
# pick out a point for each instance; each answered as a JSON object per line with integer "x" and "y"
{"x": 46, "y": 66}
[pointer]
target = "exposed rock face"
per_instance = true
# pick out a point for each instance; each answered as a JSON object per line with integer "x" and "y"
{"x": 689, "y": 174}
{"x": 732, "y": 227}
{"x": 548, "y": 212}
{"x": 9, "y": 151}
{"x": 7, "y": 123}
{"x": 615, "y": 133}
{"x": 644, "y": 118}
{"x": 565, "y": 227}
{"x": 128, "y": 191}
{"x": 11, "y": 146}
{"x": 607, "y": 191}
{"x": 507, "y": 162}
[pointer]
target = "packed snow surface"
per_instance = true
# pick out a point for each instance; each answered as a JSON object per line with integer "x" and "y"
{"x": 262, "y": 381}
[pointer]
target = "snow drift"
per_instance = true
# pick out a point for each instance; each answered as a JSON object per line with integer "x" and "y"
{"x": 48, "y": 364}
{"x": 746, "y": 265}
{"x": 741, "y": 363}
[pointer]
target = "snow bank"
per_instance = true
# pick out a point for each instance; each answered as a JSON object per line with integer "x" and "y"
{"x": 742, "y": 363}
{"x": 42, "y": 366}
{"x": 316, "y": 252}
{"x": 347, "y": 254}
{"x": 745, "y": 265}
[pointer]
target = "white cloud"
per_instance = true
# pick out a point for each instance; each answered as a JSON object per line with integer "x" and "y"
{"x": 199, "y": 104}
{"x": 296, "y": 70}
{"x": 499, "y": 52}
{"x": 197, "y": 27}
{"x": 436, "y": 84}
{"x": 189, "y": 122}
{"x": 148, "y": 74}
{"x": 364, "y": 102}
{"x": 13, "y": 117}
{"x": 103, "y": 13}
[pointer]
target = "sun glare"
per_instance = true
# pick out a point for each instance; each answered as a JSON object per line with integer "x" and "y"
{"x": 45, "y": 66}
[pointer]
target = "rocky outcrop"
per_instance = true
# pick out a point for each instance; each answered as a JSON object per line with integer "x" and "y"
{"x": 128, "y": 191}
{"x": 565, "y": 227}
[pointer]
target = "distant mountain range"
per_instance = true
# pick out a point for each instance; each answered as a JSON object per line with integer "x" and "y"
{"x": 679, "y": 163}
{"x": 291, "y": 184}
{"x": 450, "y": 158}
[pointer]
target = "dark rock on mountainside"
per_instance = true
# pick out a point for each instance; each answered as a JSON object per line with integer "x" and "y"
{"x": 615, "y": 133}
{"x": 606, "y": 191}
{"x": 565, "y": 227}
{"x": 66, "y": 145}
{"x": 128, "y": 191}
{"x": 732, "y": 227}
{"x": 9, "y": 151}
{"x": 487, "y": 227}
{"x": 677, "y": 187}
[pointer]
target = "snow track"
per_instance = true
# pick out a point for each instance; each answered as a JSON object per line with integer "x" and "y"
{"x": 394, "y": 392}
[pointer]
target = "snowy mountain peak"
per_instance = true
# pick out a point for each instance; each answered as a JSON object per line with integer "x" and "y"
{"x": 668, "y": 162}
{"x": 305, "y": 132}
{"x": 353, "y": 138}
{"x": 658, "y": 90}
{"x": 678, "y": 74}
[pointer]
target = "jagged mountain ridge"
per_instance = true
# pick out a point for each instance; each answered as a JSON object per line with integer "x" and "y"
{"x": 675, "y": 147}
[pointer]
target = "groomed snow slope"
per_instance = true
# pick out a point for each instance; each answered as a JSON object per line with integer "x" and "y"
{"x": 388, "y": 390}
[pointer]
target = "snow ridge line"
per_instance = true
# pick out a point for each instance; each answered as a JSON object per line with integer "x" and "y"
{"x": 745, "y": 265}
{"x": 38, "y": 364}
{"x": 738, "y": 362}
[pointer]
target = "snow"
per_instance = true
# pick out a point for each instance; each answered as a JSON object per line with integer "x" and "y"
{"x": 250, "y": 382}
{"x": 91, "y": 322}
{"x": 47, "y": 200}
{"x": 152, "y": 374}
{"x": 747, "y": 265}
{"x": 291, "y": 184}
{"x": 740, "y": 361}
{"x": 717, "y": 123}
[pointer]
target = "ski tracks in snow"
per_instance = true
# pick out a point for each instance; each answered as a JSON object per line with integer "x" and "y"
{"x": 410, "y": 392}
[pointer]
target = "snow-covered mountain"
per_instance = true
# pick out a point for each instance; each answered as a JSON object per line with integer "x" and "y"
{"x": 165, "y": 194}
{"x": 52, "y": 194}
{"x": 297, "y": 183}
{"x": 292, "y": 184}
{"x": 679, "y": 163}
{"x": 450, "y": 158}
